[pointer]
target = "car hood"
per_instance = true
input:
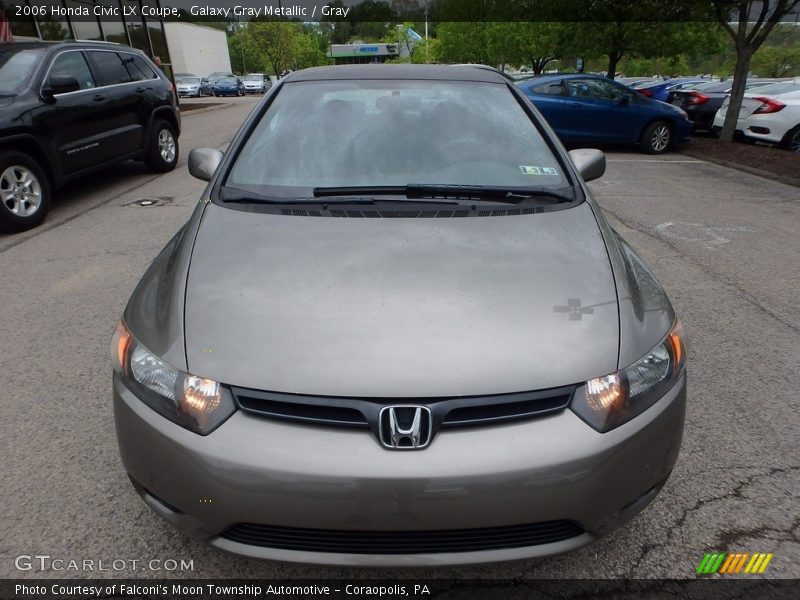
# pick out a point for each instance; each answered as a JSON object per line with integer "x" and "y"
{"x": 400, "y": 307}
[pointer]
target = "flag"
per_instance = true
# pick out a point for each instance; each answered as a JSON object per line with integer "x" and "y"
{"x": 413, "y": 35}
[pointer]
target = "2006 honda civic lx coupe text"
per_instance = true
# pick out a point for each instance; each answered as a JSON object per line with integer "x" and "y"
{"x": 397, "y": 330}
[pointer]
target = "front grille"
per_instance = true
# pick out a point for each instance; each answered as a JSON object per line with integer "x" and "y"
{"x": 363, "y": 412}
{"x": 402, "y": 542}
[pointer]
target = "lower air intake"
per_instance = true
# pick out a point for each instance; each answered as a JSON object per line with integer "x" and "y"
{"x": 402, "y": 542}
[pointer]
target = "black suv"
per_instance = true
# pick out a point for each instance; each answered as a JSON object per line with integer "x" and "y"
{"x": 70, "y": 108}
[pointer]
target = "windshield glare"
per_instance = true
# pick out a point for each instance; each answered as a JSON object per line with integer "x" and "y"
{"x": 783, "y": 87}
{"x": 190, "y": 80}
{"x": 253, "y": 78}
{"x": 16, "y": 69}
{"x": 392, "y": 133}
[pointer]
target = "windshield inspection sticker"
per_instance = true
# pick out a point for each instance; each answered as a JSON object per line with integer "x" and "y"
{"x": 528, "y": 170}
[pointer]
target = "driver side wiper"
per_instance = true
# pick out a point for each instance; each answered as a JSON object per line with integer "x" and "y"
{"x": 233, "y": 196}
{"x": 448, "y": 192}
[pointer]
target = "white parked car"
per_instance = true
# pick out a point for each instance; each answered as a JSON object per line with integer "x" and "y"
{"x": 256, "y": 83}
{"x": 770, "y": 113}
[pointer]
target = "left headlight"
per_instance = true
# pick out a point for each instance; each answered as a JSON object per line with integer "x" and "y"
{"x": 609, "y": 401}
{"x": 196, "y": 403}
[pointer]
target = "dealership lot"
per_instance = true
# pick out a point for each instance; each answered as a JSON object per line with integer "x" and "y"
{"x": 723, "y": 243}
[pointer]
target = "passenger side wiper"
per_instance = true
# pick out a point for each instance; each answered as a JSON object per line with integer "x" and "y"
{"x": 448, "y": 192}
{"x": 483, "y": 192}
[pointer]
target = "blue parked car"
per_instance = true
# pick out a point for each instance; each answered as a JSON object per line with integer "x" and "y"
{"x": 659, "y": 90}
{"x": 591, "y": 109}
{"x": 229, "y": 86}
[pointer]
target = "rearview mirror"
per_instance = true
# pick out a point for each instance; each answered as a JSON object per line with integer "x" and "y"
{"x": 591, "y": 163}
{"x": 60, "y": 84}
{"x": 203, "y": 162}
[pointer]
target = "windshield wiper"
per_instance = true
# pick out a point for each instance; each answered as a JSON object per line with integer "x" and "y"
{"x": 448, "y": 192}
{"x": 234, "y": 196}
{"x": 420, "y": 192}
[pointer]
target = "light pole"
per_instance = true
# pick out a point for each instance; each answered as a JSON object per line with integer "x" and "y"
{"x": 427, "y": 48}
{"x": 399, "y": 40}
{"x": 241, "y": 43}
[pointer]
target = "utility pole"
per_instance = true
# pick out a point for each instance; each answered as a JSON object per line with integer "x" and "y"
{"x": 427, "y": 47}
{"x": 399, "y": 40}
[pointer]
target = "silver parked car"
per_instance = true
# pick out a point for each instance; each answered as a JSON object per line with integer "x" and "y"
{"x": 397, "y": 330}
{"x": 256, "y": 83}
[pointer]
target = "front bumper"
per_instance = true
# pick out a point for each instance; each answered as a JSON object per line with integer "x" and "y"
{"x": 254, "y": 470}
{"x": 683, "y": 131}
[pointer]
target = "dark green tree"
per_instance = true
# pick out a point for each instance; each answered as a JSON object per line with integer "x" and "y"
{"x": 748, "y": 23}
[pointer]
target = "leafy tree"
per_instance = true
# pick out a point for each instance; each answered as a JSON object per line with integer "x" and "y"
{"x": 245, "y": 57}
{"x": 776, "y": 61}
{"x": 646, "y": 39}
{"x": 306, "y": 52}
{"x": 531, "y": 43}
{"x": 748, "y": 22}
{"x": 464, "y": 42}
{"x": 401, "y": 36}
{"x": 282, "y": 45}
{"x": 426, "y": 51}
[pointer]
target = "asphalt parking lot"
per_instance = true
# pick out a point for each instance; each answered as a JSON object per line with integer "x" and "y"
{"x": 724, "y": 244}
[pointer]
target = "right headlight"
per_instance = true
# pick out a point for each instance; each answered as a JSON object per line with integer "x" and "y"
{"x": 609, "y": 401}
{"x": 196, "y": 403}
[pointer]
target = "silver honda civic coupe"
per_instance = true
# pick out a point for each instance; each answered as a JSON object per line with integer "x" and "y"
{"x": 397, "y": 330}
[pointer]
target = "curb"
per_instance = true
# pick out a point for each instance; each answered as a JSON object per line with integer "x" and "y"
{"x": 189, "y": 113}
{"x": 793, "y": 181}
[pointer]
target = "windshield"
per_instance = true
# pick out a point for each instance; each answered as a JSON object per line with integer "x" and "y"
{"x": 227, "y": 80}
{"x": 646, "y": 83}
{"x": 775, "y": 88}
{"x": 16, "y": 69}
{"x": 254, "y": 78}
{"x": 712, "y": 86}
{"x": 380, "y": 133}
{"x": 191, "y": 80}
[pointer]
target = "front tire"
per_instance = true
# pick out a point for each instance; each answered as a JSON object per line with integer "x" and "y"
{"x": 656, "y": 138}
{"x": 24, "y": 192}
{"x": 162, "y": 149}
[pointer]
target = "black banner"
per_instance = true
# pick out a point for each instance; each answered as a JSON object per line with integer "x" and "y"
{"x": 391, "y": 589}
{"x": 334, "y": 11}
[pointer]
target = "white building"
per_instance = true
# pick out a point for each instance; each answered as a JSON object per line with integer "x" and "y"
{"x": 197, "y": 49}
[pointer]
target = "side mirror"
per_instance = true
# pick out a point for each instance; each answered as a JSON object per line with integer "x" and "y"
{"x": 60, "y": 84}
{"x": 591, "y": 164}
{"x": 203, "y": 162}
{"x": 625, "y": 100}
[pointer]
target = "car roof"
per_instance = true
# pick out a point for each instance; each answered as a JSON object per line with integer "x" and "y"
{"x": 552, "y": 76}
{"x": 67, "y": 44}
{"x": 479, "y": 73}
